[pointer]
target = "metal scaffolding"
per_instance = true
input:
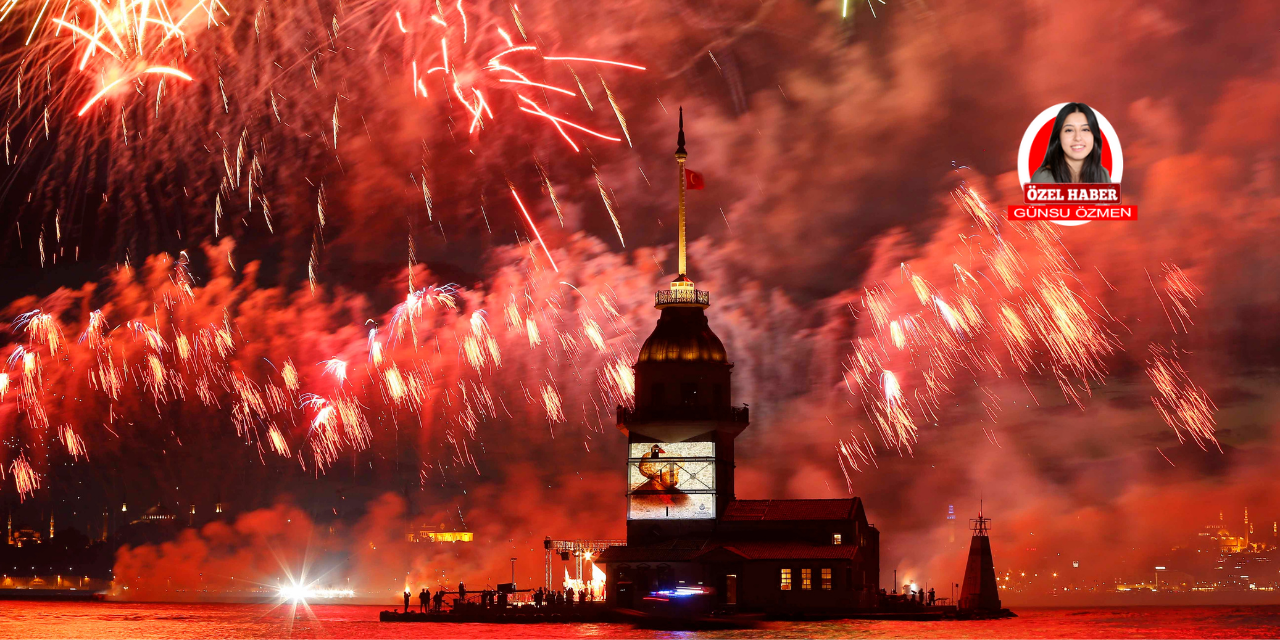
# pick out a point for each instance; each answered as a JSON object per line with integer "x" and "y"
{"x": 577, "y": 550}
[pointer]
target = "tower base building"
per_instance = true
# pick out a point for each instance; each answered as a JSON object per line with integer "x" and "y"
{"x": 688, "y": 536}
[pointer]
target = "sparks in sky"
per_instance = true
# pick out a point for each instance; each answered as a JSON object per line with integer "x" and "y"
{"x": 121, "y": 41}
{"x": 474, "y": 65}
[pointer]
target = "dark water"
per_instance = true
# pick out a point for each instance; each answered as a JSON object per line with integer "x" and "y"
{"x": 127, "y": 620}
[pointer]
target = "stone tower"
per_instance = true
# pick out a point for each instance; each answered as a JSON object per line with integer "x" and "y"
{"x": 680, "y": 432}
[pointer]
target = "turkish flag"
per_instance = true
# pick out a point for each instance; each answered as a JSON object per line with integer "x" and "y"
{"x": 693, "y": 180}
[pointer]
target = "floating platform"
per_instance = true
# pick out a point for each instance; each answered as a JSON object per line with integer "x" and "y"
{"x": 50, "y": 594}
{"x": 509, "y": 615}
{"x": 598, "y": 612}
{"x": 921, "y": 614}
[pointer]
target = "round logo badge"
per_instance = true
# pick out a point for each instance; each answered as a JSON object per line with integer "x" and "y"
{"x": 1036, "y": 141}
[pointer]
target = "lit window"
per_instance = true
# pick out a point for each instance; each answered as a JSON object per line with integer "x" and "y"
{"x": 806, "y": 579}
{"x": 835, "y": 539}
{"x": 826, "y": 579}
{"x": 785, "y": 585}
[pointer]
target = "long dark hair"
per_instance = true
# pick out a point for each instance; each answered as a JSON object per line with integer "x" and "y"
{"x": 1056, "y": 161}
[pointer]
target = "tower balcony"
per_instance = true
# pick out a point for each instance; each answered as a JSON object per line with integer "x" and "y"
{"x": 682, "y": 296}
{"x": 672, "y": 413}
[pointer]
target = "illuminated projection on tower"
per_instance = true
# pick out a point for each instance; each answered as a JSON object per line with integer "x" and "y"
{"x": 667, "y": 480}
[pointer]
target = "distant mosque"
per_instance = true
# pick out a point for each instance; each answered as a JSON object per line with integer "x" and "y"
{"x": 24, "y": 536}
{"x": 686, "y": 530}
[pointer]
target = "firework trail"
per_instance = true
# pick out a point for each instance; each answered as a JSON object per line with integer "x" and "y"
{"x": 26, "y": 480}
{"x": 1183, "y": 404}
{"x": 1181, "y": 294}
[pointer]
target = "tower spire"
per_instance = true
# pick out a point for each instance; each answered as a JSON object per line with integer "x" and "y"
{"x": 681, "y": 154}
{"x": 683, "y": 291}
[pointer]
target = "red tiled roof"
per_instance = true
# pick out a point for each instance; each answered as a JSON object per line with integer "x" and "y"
{"x": 745, "y": 549}
{"x": 791, "y": 551}
{"x": 677, "y": 550}
{"x": 644, "y": 554}
{"x": 837, "y": 509}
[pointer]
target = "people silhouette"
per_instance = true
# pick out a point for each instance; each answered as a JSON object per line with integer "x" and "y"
{"x": 406, "y": 601}
{"x": 423, "y": 597}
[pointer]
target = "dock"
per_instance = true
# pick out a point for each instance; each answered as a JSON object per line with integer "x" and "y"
{"x": 520, "y": 614}
{"x": 598, "y": 612}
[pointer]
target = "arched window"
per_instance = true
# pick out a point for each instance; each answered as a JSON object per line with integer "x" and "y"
{"x": 657, "y": 394}
{"x": 665, "y": 578}
{"x": 643, "y": 576}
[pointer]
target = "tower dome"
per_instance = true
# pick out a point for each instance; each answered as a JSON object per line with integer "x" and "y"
{"x": 682, "y": 335}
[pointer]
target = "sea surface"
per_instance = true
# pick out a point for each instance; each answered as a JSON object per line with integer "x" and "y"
{"x": 148, "y": 620}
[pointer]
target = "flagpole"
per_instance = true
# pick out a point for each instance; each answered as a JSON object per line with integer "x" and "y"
{"x": 680, "y": 158}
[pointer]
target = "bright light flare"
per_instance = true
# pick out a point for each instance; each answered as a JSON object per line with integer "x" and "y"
{"x": 300, "y": 593}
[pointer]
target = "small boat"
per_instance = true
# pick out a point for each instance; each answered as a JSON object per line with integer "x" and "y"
{"x": 676, "y": 622}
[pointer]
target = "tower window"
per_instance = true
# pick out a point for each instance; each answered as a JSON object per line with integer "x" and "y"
{"x": 836, "y": 539}
{"x": 785, "y": 584}
{"x": 826, "y": 578}
{"x": 806, "y": 579}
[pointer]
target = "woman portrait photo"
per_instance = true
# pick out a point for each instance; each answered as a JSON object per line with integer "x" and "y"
{"x": 1075, "y": 149}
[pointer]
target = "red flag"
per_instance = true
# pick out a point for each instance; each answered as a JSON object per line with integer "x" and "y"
{"x": 693, "y": 180}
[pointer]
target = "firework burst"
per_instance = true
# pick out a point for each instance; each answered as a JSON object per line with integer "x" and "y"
{"x": 1032, "y": 313}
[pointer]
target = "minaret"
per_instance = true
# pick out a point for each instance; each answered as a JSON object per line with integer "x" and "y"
{"x": 1247, "y": 528}
{"x": 681, "y": 429}
{"x": 951, "y": 520}
{"x": 980, "y": 591}
{"x": 50, "y": 525}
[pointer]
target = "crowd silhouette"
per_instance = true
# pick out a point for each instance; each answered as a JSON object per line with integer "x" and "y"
{"x": 502, "y": 598}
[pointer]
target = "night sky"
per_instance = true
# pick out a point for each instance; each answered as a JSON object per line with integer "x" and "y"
{"x": 832, "y": 150}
